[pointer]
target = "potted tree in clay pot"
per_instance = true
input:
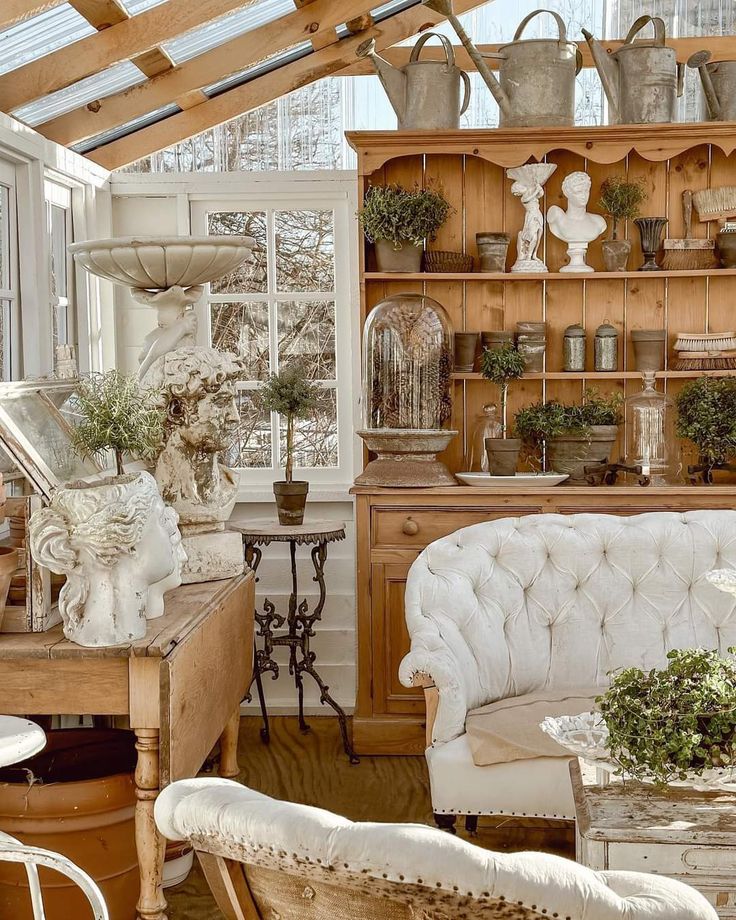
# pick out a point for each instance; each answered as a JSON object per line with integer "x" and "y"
{"x": 292, "y": 395}
{"x": 398, "y": 221}
{"x": 706, "y": 416}
{"x": 620, "y": 201}
{"x": 500, "y": 366}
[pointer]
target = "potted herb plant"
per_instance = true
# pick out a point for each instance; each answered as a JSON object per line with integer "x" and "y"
{"x": 292, "y": 395}
{"x": 706, "y": 410}
{"x": 502, "y": 365}
{"x": 619, "y": 200}
{"x": 398, "y": 221}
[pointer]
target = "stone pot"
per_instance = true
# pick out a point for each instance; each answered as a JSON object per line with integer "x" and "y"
{"x": 496, "y": 338}
{"x": 406, "y": 457}
{"x": 570, "y": 453}
{"x": 492, "y": 251}
{"x": 616, "y": 254}
{"x": 466, "y": 345}
{"x": 648, "y": 349}
{"x": 503, "y": 455}
{"x": 407, "y": 258}
{"x": 726, "y": 242}
{"x": 291, "y": 498}
{"x": 8, "y": 567}
{"x": 84, "y": 808}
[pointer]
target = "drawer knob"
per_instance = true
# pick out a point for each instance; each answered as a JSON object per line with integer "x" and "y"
{"x": 410, "y": 528}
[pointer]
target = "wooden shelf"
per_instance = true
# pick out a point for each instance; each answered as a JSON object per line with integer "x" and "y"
{"x": 603, "y": 375}
{"x": 545, "y": 276}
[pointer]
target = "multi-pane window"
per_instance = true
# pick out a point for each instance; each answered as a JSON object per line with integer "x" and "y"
{"x": 8, "y": 274}
{"x": 59, "y": 230}
{"x": 281, "y": 310}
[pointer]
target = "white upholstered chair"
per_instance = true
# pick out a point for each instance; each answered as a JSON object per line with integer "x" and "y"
{"x": 547, "y": 605}
{"x": 272, "y": 860}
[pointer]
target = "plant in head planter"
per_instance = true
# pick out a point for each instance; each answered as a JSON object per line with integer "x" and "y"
{"x": 292, "y": 395}
{"x": 620, "y": 201}
{"x": 500, "y": 366}
{"x": 706, "y": 410}
{"x": 398, "y": 221}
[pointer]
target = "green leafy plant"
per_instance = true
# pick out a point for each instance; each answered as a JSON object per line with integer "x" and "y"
{"x": 293, "y": 395}
{"x": 120, "y": 415}
{"x": 620, "y": 200}
{"x": 392, "y": 212}
{"x": 500, "y": 366}
{"x": 667, "y": 722}
{"x": 540, "y": 422}
{"x": 707, "y": 416}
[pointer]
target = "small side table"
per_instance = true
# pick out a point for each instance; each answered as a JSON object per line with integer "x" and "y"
{"x": 298, "y": 620}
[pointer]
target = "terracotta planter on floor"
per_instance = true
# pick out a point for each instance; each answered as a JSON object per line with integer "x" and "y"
{"x": 570, "y": 453}
{"x": 407, "y": 258}
{"x": 503, "y": 455}
{"x": 291, "y": 499}
{"x": 83, "y": 808}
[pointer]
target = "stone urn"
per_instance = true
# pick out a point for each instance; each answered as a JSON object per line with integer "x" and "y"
{"x": 406, "y": 458}
{"x": 570, "y": 453}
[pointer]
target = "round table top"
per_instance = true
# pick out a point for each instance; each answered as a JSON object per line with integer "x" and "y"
{"x": 19, "y": 739}
{"x": 267, "y": 530}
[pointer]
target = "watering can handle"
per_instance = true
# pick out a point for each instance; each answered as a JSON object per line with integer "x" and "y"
{"x": 446, "y": 44}
{"x": 466, "y": 92}
{"x": 642, "y": 21}
{"x": 561, "y": 29}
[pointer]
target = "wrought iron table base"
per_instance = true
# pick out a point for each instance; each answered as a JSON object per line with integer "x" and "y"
{"x": 300, "y": 629}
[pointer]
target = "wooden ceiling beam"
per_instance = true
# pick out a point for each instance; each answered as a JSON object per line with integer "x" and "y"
{"x": 12, "y": 11}
{"x": 258, "y": 92}
{"x": 119, "y": 42}
{"x": 314, "y": 21}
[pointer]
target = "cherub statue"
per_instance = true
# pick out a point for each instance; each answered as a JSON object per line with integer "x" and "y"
{"x": 529, "y": 188}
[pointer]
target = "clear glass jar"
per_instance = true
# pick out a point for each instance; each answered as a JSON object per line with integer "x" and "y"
{"x": 486, "y": 425}
{"x": 407, "y": 364}
{"x": 650, "y": 432}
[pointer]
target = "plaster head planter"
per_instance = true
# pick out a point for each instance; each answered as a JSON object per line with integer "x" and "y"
{"x": 198, "y": 387}
{"x": 575, "y": 226}
{"x": 120, "y": 548}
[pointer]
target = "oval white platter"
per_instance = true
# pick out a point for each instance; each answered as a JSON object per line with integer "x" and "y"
{"x": 520, "y": 479}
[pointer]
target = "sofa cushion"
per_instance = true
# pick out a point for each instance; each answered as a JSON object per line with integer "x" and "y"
{"x": 509, "y": 729}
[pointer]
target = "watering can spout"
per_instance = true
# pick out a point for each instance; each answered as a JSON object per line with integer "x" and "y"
{"x": 393, "y": 79}
{"x": 607, "y": 67}
{"x": 699, "y": 61}
{"x": 445, "y": 8}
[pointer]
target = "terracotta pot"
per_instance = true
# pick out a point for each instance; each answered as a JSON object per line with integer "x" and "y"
{"x": 84, "y": 809}
{"x": 291, "y": 497}
{"x": 503, "y": 455}
{"x": 497, "y": 338}
{"x": 616, "y": 254}
{"x": 466, "y": 345}
{"x": 648, "y": 349}
{"x": 8, "y": 568}
{"x": 407, "y": 258}
{"x": 726, "y": 242}
{"x": 492, "y": 250}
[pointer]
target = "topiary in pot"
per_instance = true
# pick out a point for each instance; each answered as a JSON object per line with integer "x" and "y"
{"x": 398, "y": 221}
{"x": 619, "y": 200}
{"x": 500, "y": 366}
{"x": 706, "y": 410}
{"x": 292, "y": 395}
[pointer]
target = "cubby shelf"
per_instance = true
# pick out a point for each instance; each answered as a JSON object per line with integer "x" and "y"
{"x": 546, "y": 276}
{"x": 603, "y": 375}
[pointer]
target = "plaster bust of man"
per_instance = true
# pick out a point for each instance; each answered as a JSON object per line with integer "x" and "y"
{"x": 199, "y": 389}
{"x": 575, "y": 224}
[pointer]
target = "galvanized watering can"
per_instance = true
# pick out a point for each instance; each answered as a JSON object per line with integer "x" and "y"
{"x": 719, "y": 85}
{"x": 536, "y": 85}
{"x": 426, "y": 95}
{"x": 641, "y": 80}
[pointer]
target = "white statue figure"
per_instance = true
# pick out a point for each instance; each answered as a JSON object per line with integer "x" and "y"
{"x": 529, "y": 187}
{"x": 576, "y": 226}
{"x": 120, "y": 548}
{"x": 198, "y": 387}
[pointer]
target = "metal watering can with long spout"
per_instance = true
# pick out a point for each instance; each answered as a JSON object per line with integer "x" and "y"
{"x": 536, "y": 84}
{"x": 426, "y": 95}
{"x": 642, "y": 79}
{"x": 719, "y": 85}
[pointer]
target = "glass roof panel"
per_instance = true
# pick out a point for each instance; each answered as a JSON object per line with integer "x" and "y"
{"x": 33, "y": 38}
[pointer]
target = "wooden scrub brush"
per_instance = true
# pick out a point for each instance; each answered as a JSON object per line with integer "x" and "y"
{"x": 689, "y": 254}
{"x": 715, "y": 203}
{"x": 696, "y": 351}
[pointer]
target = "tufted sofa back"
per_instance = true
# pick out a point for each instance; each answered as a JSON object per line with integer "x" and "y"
{"x": 521, "y": 604}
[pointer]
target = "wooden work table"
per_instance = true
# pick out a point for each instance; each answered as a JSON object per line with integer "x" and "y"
{"x": 181, "y": 687}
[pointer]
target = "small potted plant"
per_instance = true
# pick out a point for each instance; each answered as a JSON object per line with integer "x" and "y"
{"x": 398, "y": 221}
{"x": 293, "y": 396}
{"x": 706, "y": 410}
{"x": 620, "y": 200}
{"x": 502, "y": 365}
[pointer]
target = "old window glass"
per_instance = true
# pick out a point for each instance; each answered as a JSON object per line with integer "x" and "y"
{"x": 306, "y": 333}
{"x": 304, "y": 251}
{"x": 252, "y": 279}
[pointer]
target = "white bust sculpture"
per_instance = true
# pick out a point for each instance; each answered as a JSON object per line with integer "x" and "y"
{"x": 120, "y": 548}
{"x": 576, "y": 226}
{"x": 528, "y": 186}
{"x": 198, "y": 387}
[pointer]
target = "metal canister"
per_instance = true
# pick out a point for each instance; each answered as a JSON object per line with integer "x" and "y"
{"x": 605, "y": 348}
{"x": 573, "y": 348}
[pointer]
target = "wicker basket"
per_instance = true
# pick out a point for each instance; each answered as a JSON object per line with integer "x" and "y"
{"x": 442, "y": 260}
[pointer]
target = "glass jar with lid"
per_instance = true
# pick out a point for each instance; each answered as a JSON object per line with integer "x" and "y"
{"x": 487, "y": 425}
{"x": 650, "y": 432}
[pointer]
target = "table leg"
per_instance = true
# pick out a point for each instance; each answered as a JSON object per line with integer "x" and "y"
{"x": 229, "y": 747}
{"x": 149, "y": 843}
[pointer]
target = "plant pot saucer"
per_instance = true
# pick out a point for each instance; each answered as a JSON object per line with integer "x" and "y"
{"x": 518, "y": 481}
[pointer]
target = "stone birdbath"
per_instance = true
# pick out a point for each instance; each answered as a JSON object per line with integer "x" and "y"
{"x": 167, "y": 273}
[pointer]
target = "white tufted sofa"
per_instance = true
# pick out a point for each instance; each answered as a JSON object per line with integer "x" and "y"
{"x": 548, "y": 601}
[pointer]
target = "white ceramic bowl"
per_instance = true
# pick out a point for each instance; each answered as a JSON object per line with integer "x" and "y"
{"x": 519, "y": 481}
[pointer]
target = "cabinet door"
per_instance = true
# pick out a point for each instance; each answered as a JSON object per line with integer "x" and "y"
{"x": 391, "y": 643}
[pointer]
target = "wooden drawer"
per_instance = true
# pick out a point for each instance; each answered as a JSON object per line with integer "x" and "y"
{"x": 418, "y": 527}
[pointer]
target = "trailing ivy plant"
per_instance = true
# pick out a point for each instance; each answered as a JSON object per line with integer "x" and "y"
{"x": 397, "y": 214}
{"x": 665, "y": 723}
{"x": 620, "y": 200}
{"x": 500, "y": 366}
{"x": 706, "y": 410}
{"x": 120, "y": 415}
{"x": 292, "y": 395}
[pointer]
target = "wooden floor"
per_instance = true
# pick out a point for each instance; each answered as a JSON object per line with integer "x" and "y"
{"x": 313, "y": 769}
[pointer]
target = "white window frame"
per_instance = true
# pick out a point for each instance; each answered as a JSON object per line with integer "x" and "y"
{"x": 12, "y": 357}
{"x": 59, "y": 195}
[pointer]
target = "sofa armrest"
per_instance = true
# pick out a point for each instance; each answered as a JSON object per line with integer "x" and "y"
{"x": 445, "y": 696}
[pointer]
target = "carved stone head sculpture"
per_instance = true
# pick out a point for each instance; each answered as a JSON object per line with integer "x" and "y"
{"x": 120, "y": 548}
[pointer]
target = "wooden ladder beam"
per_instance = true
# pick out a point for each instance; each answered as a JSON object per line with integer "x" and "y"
{"x": 12, "y": 11}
